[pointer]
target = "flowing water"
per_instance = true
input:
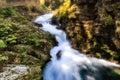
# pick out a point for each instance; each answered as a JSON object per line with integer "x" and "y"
{"x": 67, "y": 63}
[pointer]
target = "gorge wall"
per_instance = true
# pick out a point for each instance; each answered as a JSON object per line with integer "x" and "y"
{"x": 93, "y": 27}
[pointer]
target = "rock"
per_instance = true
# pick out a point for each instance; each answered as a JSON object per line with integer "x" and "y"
{"x": 97, "y": 29}
{"x": 20, "y": 72}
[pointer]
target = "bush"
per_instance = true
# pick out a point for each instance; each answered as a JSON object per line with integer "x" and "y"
{"x": 8, "y": 11}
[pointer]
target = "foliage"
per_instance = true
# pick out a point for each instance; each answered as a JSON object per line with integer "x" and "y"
{"x": 52, "y": 4}
{"x": 2, "y": 44}
{"x": 2, "y": 58}
{"x": 8, "y": 11}
{"x": 7, "y": 32}
{"x": 23, "y": 54}
{"x": 62, "y": 10}
{"x": 104, "y": 16}
{"x": 34, "y": 39}
{"x": 20, "y": 39}
{"x": 72, "y": 11}
{"x": 67, "y": 9}
{"x": 11, "y": 39}
{"x": 42, "y": 2}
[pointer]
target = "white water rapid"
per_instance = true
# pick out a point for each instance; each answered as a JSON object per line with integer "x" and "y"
{"x": 67, "y": 63}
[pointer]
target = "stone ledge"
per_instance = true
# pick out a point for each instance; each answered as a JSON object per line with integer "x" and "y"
{"x": 20, "y": 72}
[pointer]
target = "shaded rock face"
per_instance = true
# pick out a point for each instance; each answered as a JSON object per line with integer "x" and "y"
{"x": 95, "y": 29}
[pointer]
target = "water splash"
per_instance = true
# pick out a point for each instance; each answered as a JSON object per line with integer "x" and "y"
{"x": 67, "y": 63}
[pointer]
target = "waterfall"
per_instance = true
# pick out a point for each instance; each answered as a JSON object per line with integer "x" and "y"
{"x": 67, "y": 63}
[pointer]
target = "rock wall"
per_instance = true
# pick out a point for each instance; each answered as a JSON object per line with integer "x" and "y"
{"x": 95, "y": 28}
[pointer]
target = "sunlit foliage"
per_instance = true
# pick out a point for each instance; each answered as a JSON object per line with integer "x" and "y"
{"x": 62, "y": 10}
{"x": 67, "y": 9}
{"x": 42, "y": 2}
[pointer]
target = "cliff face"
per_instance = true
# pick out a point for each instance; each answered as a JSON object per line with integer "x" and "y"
{"x": 93, "y": 27}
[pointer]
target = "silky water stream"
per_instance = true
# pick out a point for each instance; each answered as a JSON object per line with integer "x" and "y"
{"x": 67, "y": 63}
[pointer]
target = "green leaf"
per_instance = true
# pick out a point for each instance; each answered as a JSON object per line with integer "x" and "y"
{"x": 2, "y": 44}
{"x": 2, "y": 58}
{"x": 23, "y": 54}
